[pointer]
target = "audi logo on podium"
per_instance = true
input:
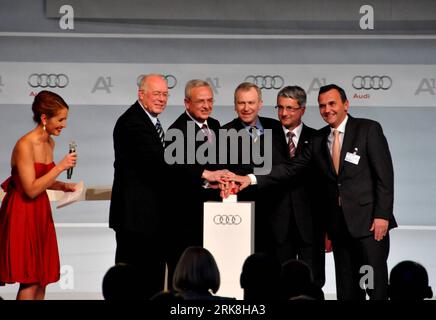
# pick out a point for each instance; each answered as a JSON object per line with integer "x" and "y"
{"x": 227, "y": 219}
{"x": 371, "y": 82}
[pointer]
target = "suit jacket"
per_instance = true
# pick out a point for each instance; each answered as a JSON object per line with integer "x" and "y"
{"x": 366, "y": 189}
{"x": 278, "y": 145}
{"x": 294, "y": 199}
{"x": 138, "y": 191}
{"x": 266, "y": 199}
{"x": 188, "y": 200}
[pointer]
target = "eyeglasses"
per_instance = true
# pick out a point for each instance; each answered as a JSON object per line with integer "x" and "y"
{"x": 203, "y": 101}
{"x": 158, "y": 94}
{"x": 288, "y": 109}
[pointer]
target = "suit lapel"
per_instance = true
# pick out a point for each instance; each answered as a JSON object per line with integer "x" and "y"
{"x": 303, "y": 140}
{"x": 147, "y": 121}
{"x": 350, "y": 132}
{"x": 326, "y": 152}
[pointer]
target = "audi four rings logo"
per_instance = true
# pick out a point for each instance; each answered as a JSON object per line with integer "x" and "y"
{"x": 372, "y": 82}
{"x": 227, "y": 219}
{"x": 171, "y": 80}
{"x": 48, "y": 80}
{"x": 266, "y": 81}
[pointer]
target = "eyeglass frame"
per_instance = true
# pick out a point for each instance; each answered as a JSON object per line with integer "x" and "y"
{"x": 287, "y": 108}
{"x": 158, "y": 94}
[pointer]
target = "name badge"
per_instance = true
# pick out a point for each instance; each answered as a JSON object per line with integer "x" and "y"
{"x": 352, "y": 158}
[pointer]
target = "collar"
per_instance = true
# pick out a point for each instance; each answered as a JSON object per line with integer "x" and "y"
{"x": 258, "y": 125}
{"x": 152, "y": 117}
{"x": 341, "y": 127}
{"x": 199, "y": 124}
{"x": 297, "y": 131}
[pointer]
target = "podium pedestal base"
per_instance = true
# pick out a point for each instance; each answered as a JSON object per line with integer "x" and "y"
{"x": 229, "y": 236}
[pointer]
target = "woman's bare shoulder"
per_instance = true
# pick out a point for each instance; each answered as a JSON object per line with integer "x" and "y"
{"x": 24, "y": 145}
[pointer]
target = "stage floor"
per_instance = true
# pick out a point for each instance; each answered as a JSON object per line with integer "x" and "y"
{"x": 87, "y": 252}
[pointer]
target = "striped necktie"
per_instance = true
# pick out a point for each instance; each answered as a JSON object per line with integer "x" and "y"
{"x": 291, "y": 144}
{"x": 160, "y": 132}
{"x": 206, "y": 132}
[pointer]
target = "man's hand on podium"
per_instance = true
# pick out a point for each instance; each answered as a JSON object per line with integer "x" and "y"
{"x": 228, "y": 188}
{"x": 218, "y": 176}
{"x": 242, "y": 181}
{"x": 234, "y": 184}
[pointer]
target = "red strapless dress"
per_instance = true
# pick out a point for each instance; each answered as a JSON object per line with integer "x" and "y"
{"x": 28, "y": 245}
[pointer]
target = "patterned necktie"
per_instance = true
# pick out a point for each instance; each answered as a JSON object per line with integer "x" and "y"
{"x": 206, "y": 132}
{"x": 336, "y": 150}
{"x": 291, "y": 144}
{"x": 254, "y": 135}
{"x": 160, "y": 132}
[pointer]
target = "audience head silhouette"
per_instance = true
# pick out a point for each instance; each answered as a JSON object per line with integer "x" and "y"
{"x": 296, "y": 280}
{"x": 260, "y": 277}
{"x": 409, "y": 281}
{"x": 167, "y": 296}
{"x": 122, "y": 282}
{"x": 196, "y": 272}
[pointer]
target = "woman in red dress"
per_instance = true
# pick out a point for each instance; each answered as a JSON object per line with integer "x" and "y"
{"x": 28, "y": 246}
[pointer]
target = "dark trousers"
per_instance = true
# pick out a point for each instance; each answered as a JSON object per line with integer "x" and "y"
{"x": 145, "y": 253}
{"x": 360, "y": 265}
{"x": 313, "y": 254}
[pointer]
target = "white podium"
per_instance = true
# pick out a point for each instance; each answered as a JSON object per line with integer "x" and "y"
{"x": 229, "y": 236}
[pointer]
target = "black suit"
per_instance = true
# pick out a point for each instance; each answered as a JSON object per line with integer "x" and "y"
{"x": 264, "y": 199}
{"x": 297, "y": 219}
{"x": 188, "y": 196}
{"x": 365, "y": 191}
{"x": 137, "y": 209}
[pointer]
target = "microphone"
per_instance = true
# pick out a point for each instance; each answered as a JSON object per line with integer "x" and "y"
{"x": 72, "y": 148}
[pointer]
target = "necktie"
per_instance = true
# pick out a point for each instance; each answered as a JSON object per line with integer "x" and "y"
{"x": 336, "y": 150}
{"x": 160, "y": 132}
{"x": 291, "y": 144}
{"x": 206, "y": 132}
{"x": 254, "y": 135}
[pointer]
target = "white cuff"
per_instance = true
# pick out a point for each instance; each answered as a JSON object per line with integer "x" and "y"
{"x": 252, "y": 178}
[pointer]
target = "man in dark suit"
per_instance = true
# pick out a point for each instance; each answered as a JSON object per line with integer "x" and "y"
{"x": 200, "y": 131}
{"x": 296, "y": 219}
{"x": 138, "y": 211}
{"x": 354, "y": 159}
{"x": 248, "y": 102}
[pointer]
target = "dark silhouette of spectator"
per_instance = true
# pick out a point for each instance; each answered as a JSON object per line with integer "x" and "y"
{"x": 296, "y": 281}
{"x": 409, "y": 281}
{"x": 196, "y": 275}
{"x": 260, "y": 277}
{"x": 123, "y": 282}
{"x": 167, "y": 296}
{"x": 302, "y": 297}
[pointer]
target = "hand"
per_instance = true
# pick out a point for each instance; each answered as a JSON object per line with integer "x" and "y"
{"x": 68, "y": 161}
{"x": 328, "y": 244}
{"x": 219, "y": 176}
{"x": 68, "y": 187}
{"x": 242, "y": 181}
{"x": 228, "y": 188}
{"x": 380, "y": 228}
